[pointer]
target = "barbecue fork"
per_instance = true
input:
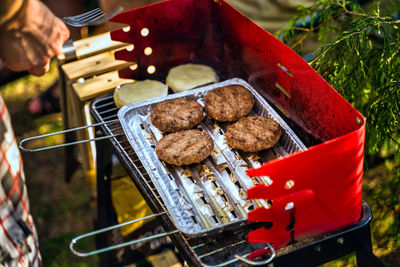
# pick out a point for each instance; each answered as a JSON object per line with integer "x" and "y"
{"x": 91, "y": 18}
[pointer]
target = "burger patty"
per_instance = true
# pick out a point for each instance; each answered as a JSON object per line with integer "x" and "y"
{"x": 229, "y": 103}
{"x": 176, "y": 115}
{"x": 185, "y": 147}
{"x": 253, "y": 133}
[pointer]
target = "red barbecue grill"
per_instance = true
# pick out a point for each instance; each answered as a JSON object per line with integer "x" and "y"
{"x": 312, "y": 205}
{"x": 323, "y": 196}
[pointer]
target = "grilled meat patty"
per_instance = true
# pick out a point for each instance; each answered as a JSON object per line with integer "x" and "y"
{"x": 185, "y": 147}
{"x": 253, "y": 133}
{"x": 229, "y": 103}
{"x": 176, "y": 115}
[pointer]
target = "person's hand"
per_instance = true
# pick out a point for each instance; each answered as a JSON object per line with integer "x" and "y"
{"x": 30, "y": 40}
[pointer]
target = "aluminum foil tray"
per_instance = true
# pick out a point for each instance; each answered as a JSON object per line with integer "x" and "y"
{"x": 210, "y": 195}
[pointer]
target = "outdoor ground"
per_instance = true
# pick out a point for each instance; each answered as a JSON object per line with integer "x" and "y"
{"x": 62, "y": 210}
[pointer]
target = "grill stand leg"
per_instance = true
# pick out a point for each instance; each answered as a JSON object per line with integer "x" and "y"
{"x": 105, "y": 211}
{"x": 364, "y": 254}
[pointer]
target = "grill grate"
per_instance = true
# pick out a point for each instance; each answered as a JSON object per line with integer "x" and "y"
{"x": 106, "y": 112}
{"x": 208, "y": 249}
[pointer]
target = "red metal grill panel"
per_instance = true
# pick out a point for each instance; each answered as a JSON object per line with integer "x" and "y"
{"x": 326, "y": 179}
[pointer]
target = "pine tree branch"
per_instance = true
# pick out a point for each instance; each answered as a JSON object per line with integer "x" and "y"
{"x": 313, "y": 29}
{"x": 394, "y": 139}
{"x": 350, "y": 12}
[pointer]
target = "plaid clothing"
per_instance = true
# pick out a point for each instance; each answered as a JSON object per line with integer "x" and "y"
{"x": 18, "y": 237}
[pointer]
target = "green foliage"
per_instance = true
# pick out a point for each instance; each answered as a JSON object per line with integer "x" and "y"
{"x": 359, "y": 56}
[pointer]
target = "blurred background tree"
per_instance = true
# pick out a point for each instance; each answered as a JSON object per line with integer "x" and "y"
{"x": 359, "y": 55}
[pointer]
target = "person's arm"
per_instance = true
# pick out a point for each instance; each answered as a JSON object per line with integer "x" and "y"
{"x": 30, "y": 35}
{"x": 8, "y": 9}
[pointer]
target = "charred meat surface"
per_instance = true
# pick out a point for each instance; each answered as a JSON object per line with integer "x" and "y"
{"x": 185, "y": 147}
{"x": 253, "y": 133}
{"x": 229, "y": 103}
{"x": 176, "y": 115}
